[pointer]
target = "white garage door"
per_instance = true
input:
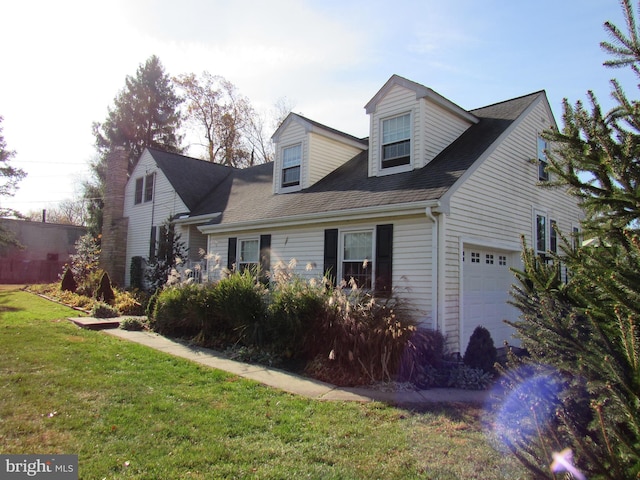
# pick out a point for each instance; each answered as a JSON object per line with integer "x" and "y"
{"x": 487, "y": 279}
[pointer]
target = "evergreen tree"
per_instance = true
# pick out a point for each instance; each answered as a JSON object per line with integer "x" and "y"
{"x": 9, "y": 178}
{"x": 145, "y": 114}
{"x": 582, "y": 332}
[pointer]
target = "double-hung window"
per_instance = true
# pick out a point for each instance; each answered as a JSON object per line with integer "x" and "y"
{"x": 249, "y": 254}
{"x": 291, "y": 160}
{"x": 144, "y": 189}
{"x": 139, "y": 189}
{"x": 543, "y": 175}
{"x": 357, "y": 255}
{"x": 148, "y": 187}
{"x": 396, "y": 141}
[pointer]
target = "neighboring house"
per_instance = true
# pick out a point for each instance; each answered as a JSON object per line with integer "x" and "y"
{"x": 431, "y": 206}
{"x": 46, "y": 248}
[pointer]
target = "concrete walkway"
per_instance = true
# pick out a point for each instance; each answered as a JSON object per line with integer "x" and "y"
{"x": 296, "y": 384}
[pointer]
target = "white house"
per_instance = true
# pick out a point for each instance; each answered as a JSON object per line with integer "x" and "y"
{"x": 432, "y": 205}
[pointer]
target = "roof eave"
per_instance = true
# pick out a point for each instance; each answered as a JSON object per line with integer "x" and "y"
{"x": 398, "y": 209}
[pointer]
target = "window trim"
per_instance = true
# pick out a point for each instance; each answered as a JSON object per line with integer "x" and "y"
{"x": 371, "y": 267}
{"x": 138, "y": 194}
{"x": 242, "y": 265}
{"x": 543, "y": 162}
{"x": 149, "y": 189}
{"x": 291, "y": 184}
{"x": 145, "y": 189}
{"x": 549, "y": 217}
{"x": 553, "y": 235}
{"x": 396, "y": 167}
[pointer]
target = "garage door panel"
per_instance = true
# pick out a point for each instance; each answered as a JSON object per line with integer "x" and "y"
{"x": 487, "y": 279}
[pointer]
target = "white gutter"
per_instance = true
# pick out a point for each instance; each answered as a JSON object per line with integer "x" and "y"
{"x": 187, "y": 220}
{"x": 322, "y": 217}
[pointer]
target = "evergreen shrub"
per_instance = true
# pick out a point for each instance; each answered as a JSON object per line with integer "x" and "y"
{"x": 481, "y": 352}
{"x": 104, "y": 310}
{"x": 105, "y": 292}
{"x": 68, "y": 283}
{"x": 177, "y": 312}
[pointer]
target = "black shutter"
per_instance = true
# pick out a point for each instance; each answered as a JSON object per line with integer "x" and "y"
{"x": 152, "y": 245}
{"x": 384, "y": 258}
{"x": 331, "y": 254}
{"x": 231, "y": 253}
{"x": 162, "y": 251}
{"x": 265, "y": 257}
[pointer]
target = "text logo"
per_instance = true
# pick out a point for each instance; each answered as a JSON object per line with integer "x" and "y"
{"x": 50, "y": 467}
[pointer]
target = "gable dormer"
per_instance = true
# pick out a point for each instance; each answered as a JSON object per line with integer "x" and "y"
{"x": 306, "y": 151}
{"x": 410, "y": 125}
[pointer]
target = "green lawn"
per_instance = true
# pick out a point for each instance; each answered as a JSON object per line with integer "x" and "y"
{"x": 132, "y": 412}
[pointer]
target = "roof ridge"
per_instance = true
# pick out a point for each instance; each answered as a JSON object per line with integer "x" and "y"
{"x": 532, "y": 94}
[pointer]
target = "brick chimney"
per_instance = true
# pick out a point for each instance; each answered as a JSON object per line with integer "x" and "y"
{"x": 114, "y": 225}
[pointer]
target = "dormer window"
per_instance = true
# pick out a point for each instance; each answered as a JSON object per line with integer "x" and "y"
{"x": 291, "y": 159}
{"x": 396, "y": 141}
{"x": 543, "y": 175}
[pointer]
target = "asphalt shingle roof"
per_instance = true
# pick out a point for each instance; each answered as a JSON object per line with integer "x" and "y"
{"x": 246, "y": 195}
{"x": 191, "y": 178}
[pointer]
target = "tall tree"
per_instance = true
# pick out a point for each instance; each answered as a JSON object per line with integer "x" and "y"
{"x": 262, "y": 126}
{"x": 225, "y": 119}
{"x": 583, "y": 333}
{"x": 145, "y": 114}
{"x": 66, "y": 212}
{"x": 9, "y": 178}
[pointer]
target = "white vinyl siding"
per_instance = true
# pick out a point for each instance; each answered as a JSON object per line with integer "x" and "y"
{"x": 398, "y": 101}
{"x": 294, "y": 135}
{"x": 320, "y": 155}
{"x": 496, "y": 204}
{"x": 412, "y": 252}
{"x": 164, "y": 204}
{"x": 325, "y": 155}
{"x": 433, "y": 128}
{"x": 441, "y": 128}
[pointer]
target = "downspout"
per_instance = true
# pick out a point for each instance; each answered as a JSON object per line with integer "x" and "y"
{"x": 435, "y": 270}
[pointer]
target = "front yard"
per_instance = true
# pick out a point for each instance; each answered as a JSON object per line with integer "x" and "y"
{"x": 131, "y": 412}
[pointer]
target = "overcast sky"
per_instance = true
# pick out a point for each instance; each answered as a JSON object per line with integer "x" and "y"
{"x": 63, "y": 62}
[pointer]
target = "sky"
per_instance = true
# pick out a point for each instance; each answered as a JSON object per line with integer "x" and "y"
{"x": 64, "y": 62}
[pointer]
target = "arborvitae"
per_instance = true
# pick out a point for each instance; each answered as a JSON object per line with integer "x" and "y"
{"x": 105, "y": 292}
{"x": 68, "y": 283}
{"x": 481, "y": 352}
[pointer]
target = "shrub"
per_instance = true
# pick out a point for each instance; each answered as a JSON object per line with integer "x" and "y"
{"x": 130, "y": 302}
{"x": 365, "y": 338}
{"x": 481, "y": 352}
{"x": 104, "y": 310}
{"x": 86, "y": 259}
{"x": 90, "y": 284}
{"x": 468, "y": 378}
{"x": 132, "y": 324}
{"x": 68, "y": 283}
{"x": 423, "y": 355}
{"x": 104, "y": 292}
{"x": 236, "y": 304}
{"x": 136, "y": 273}
{"x": 177, "y": 311}
{"x": 294, "y": 306}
